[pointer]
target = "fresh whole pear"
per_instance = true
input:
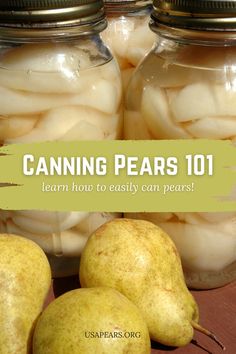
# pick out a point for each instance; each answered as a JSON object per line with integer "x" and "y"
{"x": 25, "y": 279}
{"x": 140, "y": 260}
{"x": 86, "y": 321}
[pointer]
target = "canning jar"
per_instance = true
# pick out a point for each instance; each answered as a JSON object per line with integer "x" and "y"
{"x": 186, "y": 89}
{"x": 58, "y": 82}
{"x": 128, "y": 33}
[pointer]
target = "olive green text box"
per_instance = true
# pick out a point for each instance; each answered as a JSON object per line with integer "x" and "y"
{"x": 203, "y": 177}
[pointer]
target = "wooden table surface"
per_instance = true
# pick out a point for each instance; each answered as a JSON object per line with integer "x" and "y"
{"x": 217, "y": 313}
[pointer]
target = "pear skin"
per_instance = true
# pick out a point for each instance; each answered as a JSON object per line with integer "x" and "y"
{"x": 95, "y": 320}
{"x": 25, "y": 279}
{"x": 164, "y": 321}
{"x": 140, "y": 260}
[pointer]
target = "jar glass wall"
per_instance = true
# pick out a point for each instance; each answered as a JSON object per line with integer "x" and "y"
{"x": 59, "y": 92}
{"x": 183, "y": 91}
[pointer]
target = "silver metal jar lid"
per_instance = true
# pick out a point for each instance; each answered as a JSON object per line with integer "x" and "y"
{"x": 49, "y": 13}
{"x": 201, "y": 15}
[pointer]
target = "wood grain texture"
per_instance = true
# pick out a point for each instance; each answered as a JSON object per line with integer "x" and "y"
{"x": 217, "y": 313}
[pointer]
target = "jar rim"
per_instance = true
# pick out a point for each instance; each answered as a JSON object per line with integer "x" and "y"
{"x": 41, "y": 14}
{"x": 208, "y": 15}
{"x": 57, "y": 34}
{"x": 194, "y": 36}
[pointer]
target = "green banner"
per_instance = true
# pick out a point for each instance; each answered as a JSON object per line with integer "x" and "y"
{"x": 183, "y": 175}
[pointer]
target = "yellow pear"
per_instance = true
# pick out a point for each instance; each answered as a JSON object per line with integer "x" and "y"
{"x": 25, "y": 279}
{"x": 140, "y": 260}
{"x": 88, "y": 321}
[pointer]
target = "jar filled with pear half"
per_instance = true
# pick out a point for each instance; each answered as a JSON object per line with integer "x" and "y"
{"x": 186, "y": 89}
{"x": 128, "y": 34}
{"x": 58, "y": 82}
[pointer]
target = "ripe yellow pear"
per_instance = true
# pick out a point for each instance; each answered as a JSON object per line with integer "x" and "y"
{"x": 140, "y": 260}
{"x": 25, "y": 279}
{"x": 88, "y": 321}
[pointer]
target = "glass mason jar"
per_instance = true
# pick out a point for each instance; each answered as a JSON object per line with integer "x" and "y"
{"x": 58, "y": 82}
{"x": 186, "y": 89}
{"x": 128, "y": 33}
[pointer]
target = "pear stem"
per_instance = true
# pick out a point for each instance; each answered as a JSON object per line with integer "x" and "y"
{"x": 205, "y": 331}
